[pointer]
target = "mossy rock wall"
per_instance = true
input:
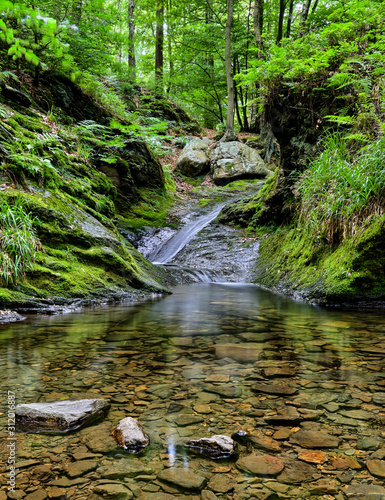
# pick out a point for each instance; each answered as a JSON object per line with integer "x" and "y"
{"x": 351, "y": 273}
{"x": 80, "y": 183}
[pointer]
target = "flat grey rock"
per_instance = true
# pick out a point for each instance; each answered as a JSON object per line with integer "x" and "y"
{"x": 59, "y": 416}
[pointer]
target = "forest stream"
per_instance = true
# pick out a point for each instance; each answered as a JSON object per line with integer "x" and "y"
{"x": 301, "y": 389}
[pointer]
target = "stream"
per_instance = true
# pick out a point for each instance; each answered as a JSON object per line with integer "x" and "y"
{"x": 218, "y": 356}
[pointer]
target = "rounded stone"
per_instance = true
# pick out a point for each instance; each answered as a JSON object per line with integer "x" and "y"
{"x": 183, "y": 478}
{"x": 130, "y": 436}
{"x": 261, "y": 465}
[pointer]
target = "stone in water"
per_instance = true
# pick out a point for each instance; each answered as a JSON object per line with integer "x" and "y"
{"x": 216, "y": 447}
{"x": 130, "y": 436}
{"x": 59, "y": 416}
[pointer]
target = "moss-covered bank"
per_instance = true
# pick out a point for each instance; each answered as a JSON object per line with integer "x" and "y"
{"x": 351, "y": 273}
{"x": 89, "y": 182}
{"x": 321, "y": 217}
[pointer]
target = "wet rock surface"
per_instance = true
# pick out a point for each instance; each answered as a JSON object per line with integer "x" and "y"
{"x": 7, "y": 316}
{"x": 216, "y": 447}
{"x": 130, "y": 436}
{"x": 59, "y": 416}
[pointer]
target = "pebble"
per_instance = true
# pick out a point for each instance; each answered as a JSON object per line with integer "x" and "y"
{"x": 261, "y": 465}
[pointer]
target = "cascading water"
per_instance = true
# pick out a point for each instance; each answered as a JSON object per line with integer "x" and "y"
{"x": 202, "y": 251}
{"x": 170, "y": 248}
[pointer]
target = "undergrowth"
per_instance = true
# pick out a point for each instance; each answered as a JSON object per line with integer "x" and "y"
{"x": 343, "y": 188}
{"x": 18, "y": 240}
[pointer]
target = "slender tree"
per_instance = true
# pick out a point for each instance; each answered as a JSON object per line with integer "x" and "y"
{"x": 282, "y": 6}
{"x": 258, "y": 25}
{"x": 159, "y": 42}
{"x": 131, "y": 40}
{"x": 229, "y": 135}
{"x": 289, "y": 19}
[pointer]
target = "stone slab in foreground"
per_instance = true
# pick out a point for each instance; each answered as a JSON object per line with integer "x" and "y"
{"x": 59, "y": 416}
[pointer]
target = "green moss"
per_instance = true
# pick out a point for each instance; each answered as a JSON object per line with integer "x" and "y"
{"x": 248, "y": 211}
{"x": 206, "y": 201}
{"x": 293, "y": 260}
{"x": 33, "y": 125}
{"x": 242, "y": 185}
{"x": 152, "y": 211}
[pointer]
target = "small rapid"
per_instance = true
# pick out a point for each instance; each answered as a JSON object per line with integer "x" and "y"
{"x": 203, "y": 250}
{"x": 171, "y": 247}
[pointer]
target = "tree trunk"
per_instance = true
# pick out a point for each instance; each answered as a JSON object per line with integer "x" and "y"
{"x": 305, "y": 11}
{"x": 236, "y": 101}
{"x": 280, "y": 21}
{"x": 131, "y": 40}
{"x": 159, "y": 48}
{"x": 314, "y": 7}
{"x": 229, "y": 134}
{"x": 289, "y": 19}
{"x": 209, "y": 116}
{"x": 304, "y": 15}
{"x": 258, "y": 25}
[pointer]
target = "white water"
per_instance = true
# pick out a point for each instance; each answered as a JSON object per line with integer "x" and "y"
{"x": 170, "y": 248}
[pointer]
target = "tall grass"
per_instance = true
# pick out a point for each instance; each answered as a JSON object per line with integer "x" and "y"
{"x": 18, "y": 240}
{"x": 341, "y": 190}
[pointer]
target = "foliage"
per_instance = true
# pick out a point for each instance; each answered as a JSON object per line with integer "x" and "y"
{"x": 32, "y": 37}
{"x": 18, "y": 240}
{"x": 342, "y": 189}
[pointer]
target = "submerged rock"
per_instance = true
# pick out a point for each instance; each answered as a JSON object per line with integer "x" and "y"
{"x": 314, "y": 439}
{"x": 261, "y": 465}
{"x": 130, "y": 436}
{"x": 59, "y": 416}
{"x": 234, "y": 160}
{"x": 216, "y": 447}
{"x": 193, "y": 160}
{"x": 183, "y": 478}
{"x": 243, "y": 353}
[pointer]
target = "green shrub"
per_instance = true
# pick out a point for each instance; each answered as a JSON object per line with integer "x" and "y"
{"x": 18, "y": 240}
{"x": 341, "y": 190}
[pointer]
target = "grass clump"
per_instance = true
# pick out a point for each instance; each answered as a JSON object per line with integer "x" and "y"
{"x": 18, "y": 240}
{"x": 342, "y": 189}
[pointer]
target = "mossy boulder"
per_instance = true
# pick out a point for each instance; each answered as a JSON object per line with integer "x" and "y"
{"x": 233, "y": 160}
{"x": 130, "y": 167}
{"x": 194, "y": 159}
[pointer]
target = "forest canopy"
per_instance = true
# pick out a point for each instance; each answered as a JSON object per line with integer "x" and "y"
{"x": 179, "y": 49}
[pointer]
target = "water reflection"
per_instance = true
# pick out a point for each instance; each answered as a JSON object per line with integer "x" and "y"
{"x": 209, "y": 359}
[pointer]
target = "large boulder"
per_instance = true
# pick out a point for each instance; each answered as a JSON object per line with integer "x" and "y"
{"x": 130, "y": 167}
{"x": 193, "y": 160}
{"x": 233, "y": 160}
{"x": 59, "y": 416}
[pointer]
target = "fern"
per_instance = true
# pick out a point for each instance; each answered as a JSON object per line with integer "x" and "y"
{"x": 3, "y": 113}
{"x": 4, "y": 75}
{"x": 90, "y": 128}
{"x": 341, "y": 120}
